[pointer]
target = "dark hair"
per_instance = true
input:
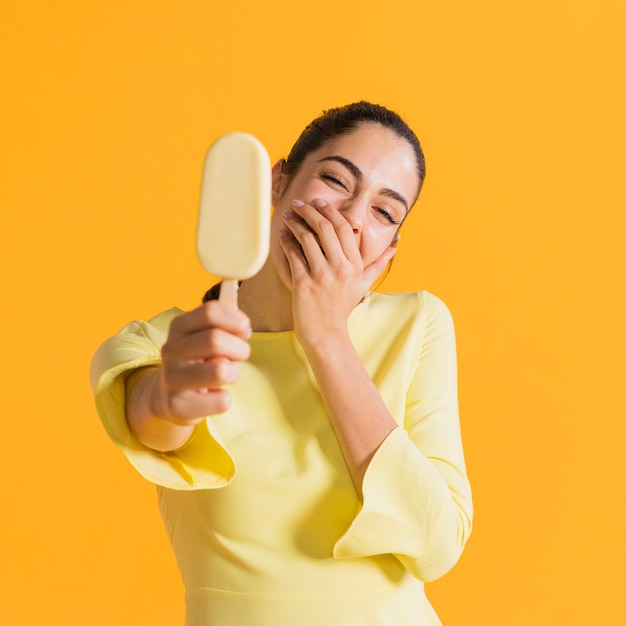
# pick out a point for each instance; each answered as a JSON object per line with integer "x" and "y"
{"x": 345, "y": 119}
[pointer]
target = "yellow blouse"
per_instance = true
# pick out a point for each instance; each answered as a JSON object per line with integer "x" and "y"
{"x": 259, "y": 506}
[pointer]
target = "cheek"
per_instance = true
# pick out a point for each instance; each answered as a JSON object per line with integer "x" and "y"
{"x": 306, "y": 191}
{"x": 374, "y": 241}
{"x": 276, "y": 225}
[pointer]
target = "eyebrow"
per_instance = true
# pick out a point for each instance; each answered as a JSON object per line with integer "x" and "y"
{"x": 358, "y": 174}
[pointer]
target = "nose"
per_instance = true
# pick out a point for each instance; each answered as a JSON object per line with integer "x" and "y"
{"x": 354, "y": 211}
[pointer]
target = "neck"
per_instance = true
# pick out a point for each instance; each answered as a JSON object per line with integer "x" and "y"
{"x": 266, "y": 300}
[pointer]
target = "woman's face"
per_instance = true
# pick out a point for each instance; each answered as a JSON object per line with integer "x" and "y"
{"x": 369, "y": 176}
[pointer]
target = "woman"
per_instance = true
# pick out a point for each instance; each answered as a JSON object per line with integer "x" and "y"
{"x": 328, "y": 482}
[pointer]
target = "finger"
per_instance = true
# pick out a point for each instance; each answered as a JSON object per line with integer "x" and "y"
{"x": 319, "y": 237}
{"x": 298, "y": 263}
{"x": 192, "y": 406}
{"x": 374, "y": 270}
{"x": 303, "y": 237}
{"x": 212, "y": 314}
{"x": 211, "y": 374}
{"x": 205, "y": 344}
{"x": 334, "y": 231}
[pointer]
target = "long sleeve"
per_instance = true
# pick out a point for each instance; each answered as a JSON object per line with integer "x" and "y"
{"x": 203, "y": 462}
{"x": 416, "y": 496}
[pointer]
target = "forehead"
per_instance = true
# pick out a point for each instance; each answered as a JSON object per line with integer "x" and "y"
{"x": 384, "y": 158}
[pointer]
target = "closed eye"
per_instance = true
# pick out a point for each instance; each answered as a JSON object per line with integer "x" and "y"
{"x": 333, "y": 179}
{"x": 388, "y": 216}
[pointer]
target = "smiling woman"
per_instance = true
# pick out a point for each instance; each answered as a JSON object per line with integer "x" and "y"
{"x": 307, "y": 447}
{"x": 360, "y": 180}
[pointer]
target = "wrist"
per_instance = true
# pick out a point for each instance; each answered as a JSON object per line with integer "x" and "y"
{"x": 147, "y": 414}
{"x": 326, "y": 344}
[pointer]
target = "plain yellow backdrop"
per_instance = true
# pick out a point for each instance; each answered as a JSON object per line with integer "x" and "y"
{"x": 107, "y": 110}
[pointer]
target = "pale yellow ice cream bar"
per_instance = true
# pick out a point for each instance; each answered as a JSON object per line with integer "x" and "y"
{"x": 234, "y": 219}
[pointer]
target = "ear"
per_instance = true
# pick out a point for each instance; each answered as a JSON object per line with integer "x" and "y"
{"x": 278, "y": 181}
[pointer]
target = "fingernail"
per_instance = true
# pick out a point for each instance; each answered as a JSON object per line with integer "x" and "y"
{"x": 297, "y": 203}
{"x": 319, "y": 203}
{"x": 283, "y": 232}
{"x": 287, "y": 214}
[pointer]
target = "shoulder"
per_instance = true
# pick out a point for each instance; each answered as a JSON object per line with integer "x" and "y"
{"x": 157, "y": 324}
{"x": 137, "y": 344}
{"x": 152, "y": 332}
{"x": 164, "y": 319}
{"x": 406, "y": 317}
{"x": 420, "y": 313}
{"x": 414, "y": 303}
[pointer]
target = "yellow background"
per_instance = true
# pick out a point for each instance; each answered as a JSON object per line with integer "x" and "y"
{"x": 107, "y": 110}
